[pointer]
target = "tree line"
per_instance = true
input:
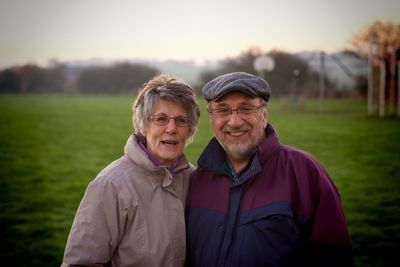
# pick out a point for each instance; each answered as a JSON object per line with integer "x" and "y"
{"x": 121, "y": 78}
{"x": 292, "y": 75}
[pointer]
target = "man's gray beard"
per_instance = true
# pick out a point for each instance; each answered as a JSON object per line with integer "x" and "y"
{"x": 240, "y": 151}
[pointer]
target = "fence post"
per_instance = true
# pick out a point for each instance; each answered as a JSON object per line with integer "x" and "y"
{"x": 382, "y": 89}
{"x": 322, "y": 81}
{"x": 370, "y": 81}
{"x": 392, "y": 81}
{"x": 398, "y": 89}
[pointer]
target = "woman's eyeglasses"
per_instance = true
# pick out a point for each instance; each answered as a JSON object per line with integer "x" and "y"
{"x": 180, "y": 121}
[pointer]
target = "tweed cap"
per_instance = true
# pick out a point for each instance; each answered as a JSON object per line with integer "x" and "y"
{"x": 236, "y": 81}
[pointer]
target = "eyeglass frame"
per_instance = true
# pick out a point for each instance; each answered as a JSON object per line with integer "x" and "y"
{"x": 254, "y": 110}
{"x": 177, "y": 123}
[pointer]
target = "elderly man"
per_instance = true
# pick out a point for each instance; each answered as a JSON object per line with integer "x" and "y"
{"x": 253, "y": 201}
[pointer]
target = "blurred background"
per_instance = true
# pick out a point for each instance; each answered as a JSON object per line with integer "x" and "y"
{"x": 70, "y": 70}
{"x": 112, "y": 47}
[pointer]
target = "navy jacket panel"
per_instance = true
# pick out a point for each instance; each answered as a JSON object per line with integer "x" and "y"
{"x": 287, "y": 213}
{"x": 207, "y": 228}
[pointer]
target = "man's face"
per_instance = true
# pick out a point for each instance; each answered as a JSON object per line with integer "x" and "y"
{"x": 239, "y": 134}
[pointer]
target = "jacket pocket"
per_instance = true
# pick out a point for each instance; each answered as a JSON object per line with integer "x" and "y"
{"x": 270, "y": 220}
{"x": 274, "y": 213}
{"x": 267, "y": 235}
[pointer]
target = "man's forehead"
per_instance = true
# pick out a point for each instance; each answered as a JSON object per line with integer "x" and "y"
{"x": 236, "y": 96}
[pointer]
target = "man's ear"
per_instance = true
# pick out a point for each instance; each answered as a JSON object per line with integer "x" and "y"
{"x": 265, "y": 118}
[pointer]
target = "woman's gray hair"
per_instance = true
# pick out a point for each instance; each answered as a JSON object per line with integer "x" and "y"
{"x": 165, "y": 87}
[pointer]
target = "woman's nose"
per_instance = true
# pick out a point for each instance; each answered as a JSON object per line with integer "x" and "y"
{"x": 171, "y": 126}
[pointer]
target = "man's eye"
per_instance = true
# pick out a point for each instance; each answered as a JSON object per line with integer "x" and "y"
{"x": 246, "y": 110}
{"x": 223, "y": 110}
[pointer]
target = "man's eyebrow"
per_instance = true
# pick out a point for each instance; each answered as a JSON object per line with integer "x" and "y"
{"x": 241, "y": 104}
{"x": 221, "y": 105}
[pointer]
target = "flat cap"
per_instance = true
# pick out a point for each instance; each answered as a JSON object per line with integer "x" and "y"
{"x": 236, "y": 81}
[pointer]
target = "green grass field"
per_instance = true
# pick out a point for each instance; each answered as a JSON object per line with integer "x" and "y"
{"x": 52, "y": 146}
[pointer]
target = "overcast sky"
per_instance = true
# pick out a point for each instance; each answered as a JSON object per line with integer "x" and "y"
{"x": 38, "y": 30}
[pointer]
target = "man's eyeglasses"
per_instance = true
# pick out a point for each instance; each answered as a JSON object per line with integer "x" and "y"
{"x": 224, "y": 112}
{"x": 180, "y": 121}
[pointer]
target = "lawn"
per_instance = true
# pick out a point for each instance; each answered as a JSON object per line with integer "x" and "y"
{"x": 52, "y": 146}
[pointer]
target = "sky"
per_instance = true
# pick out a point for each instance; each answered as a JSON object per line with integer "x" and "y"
{"x": 37, "y": 31}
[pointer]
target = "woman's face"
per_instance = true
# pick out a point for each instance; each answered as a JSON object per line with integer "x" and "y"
{"x": 166, "y": 137}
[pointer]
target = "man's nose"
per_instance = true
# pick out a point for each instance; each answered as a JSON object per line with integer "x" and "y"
{"x": 234, "y": 118}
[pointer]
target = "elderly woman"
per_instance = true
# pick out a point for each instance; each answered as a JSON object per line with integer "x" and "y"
{"x": 132, "y": 213}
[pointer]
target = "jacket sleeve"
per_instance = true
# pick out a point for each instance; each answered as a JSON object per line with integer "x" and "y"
{"x": 330, "y": 243}
{"x": 97, "y": 227}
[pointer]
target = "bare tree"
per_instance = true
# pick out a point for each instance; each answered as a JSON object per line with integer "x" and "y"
{"x": 381, "y": 40}
{"x": 384, "y": 35}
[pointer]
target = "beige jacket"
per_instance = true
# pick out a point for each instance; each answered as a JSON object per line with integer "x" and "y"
{"x": 132, "y": 214}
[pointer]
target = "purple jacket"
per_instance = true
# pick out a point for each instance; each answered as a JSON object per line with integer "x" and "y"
{"x": 282, "y": 210}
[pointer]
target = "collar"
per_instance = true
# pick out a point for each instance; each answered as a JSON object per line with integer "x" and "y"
{"x": 252, "y": 168}
{"x": 137, "y": 154}
{"x": 142, "y": 144}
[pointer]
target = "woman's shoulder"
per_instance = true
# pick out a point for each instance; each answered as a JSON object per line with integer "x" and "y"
{"x": 116, "y": 171}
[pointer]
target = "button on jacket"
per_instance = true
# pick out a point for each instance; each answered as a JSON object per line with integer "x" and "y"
{"x": 282, "y": 210}
{"x": 132, "y": 214}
